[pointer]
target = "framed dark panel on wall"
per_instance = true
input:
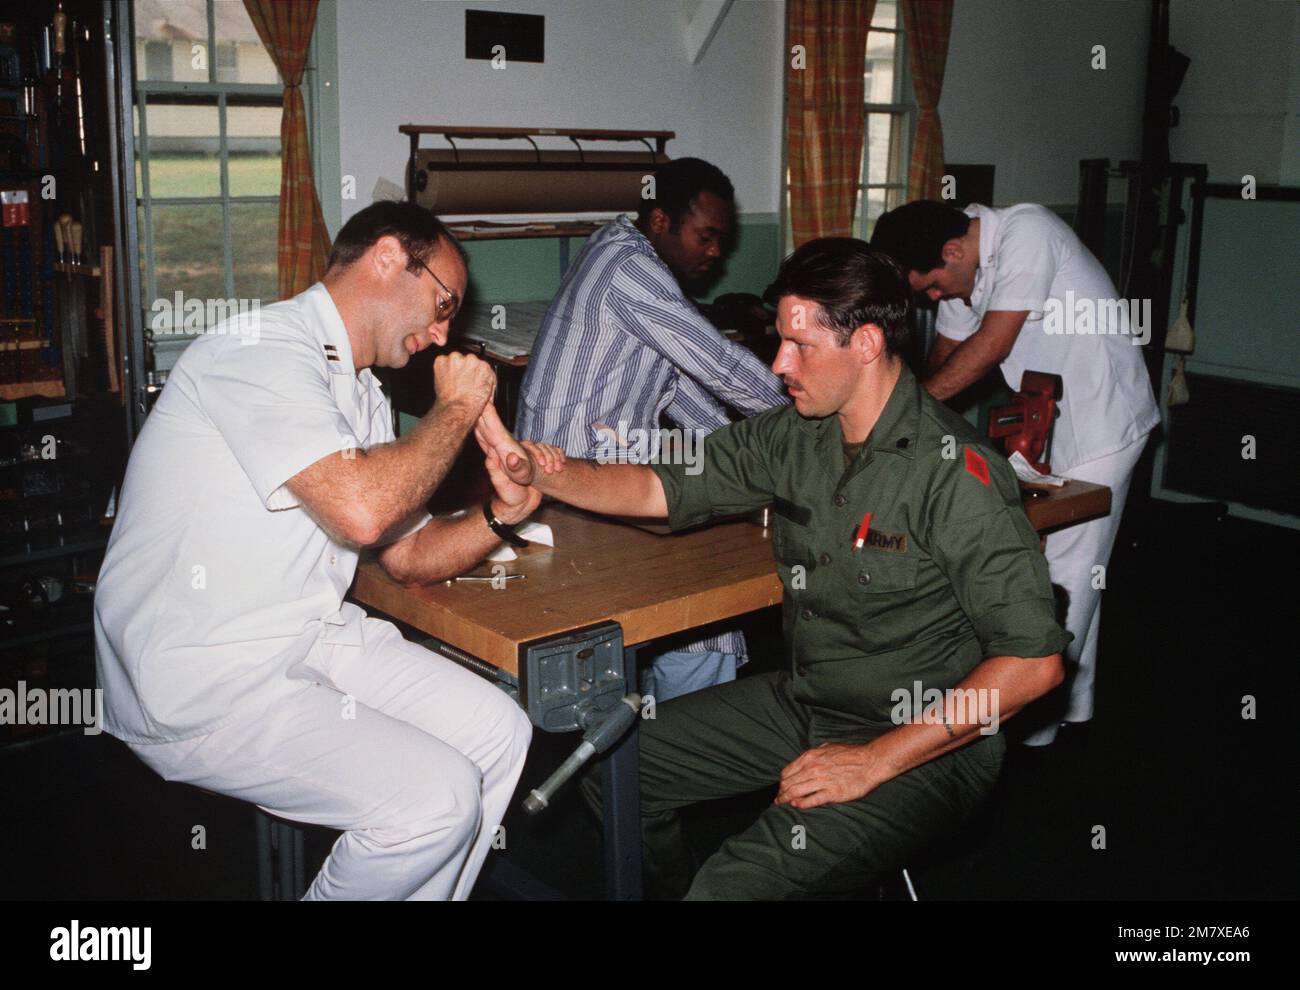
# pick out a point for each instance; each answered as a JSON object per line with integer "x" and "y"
{"x": 520, "y": 37}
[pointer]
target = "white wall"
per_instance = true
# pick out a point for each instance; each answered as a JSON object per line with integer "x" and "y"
{"x": 1020, "y": 93}
{"x": 1234, "y": 100}
{"x": 609, "y": 64}
{"x": 1019, "y": 89}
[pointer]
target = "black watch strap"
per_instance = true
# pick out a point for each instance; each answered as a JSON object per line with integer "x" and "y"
{"x": 503, "y": 530}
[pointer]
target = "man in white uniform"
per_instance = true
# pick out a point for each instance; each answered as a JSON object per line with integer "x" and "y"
{"x": 227, "y": 656}
{"x": 1017, "y": 288}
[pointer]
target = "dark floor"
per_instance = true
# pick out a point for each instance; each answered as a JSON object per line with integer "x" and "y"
{"x": 1196, "y": 801}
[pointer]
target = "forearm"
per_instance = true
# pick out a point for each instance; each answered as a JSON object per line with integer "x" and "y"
{"x": 940, "y": 351}
{"x": 610, "y": 489}
{"x": 762, "y": 390}
{"x": 965, "y": 365}
{"x": 396, "y": 479}
{"x": 973, "y": 358}
{"x": 728, "y": 371}
{"x": 992, "y": 693}
{"x": 443, "y": 548}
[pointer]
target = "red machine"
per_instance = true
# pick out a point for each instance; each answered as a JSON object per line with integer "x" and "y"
{"x": 1026, "y": 424}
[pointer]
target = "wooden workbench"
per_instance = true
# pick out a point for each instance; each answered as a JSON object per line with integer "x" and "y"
{"x": 1074, "y": 502}
{"x": 681, "y": 582}
{"x": 603, "y": 571}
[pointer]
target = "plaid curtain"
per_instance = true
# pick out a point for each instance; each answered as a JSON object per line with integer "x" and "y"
{"x": 285, "y": 28}
{"x": 824, "y": 113}
{"x": 928, "y": 24}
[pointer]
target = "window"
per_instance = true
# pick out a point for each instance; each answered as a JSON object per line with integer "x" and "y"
{"x": 887, "y": 149}
{"x": 890, "y": 113}
{"x": 207, "y": 136}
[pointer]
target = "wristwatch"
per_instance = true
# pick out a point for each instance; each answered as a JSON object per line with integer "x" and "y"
{"x": 503, "y": 530}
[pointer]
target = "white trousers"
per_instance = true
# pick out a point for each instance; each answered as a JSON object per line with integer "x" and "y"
{"x": 413, "y": 757}
{"x": 1072, "y": 554}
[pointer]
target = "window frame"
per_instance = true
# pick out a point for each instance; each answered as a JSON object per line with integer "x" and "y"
{"x": 203, "y": 93}
{"x": 903, "y": 106}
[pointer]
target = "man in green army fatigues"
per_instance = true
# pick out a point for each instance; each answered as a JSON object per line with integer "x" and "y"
{"x": 917, "y": 609}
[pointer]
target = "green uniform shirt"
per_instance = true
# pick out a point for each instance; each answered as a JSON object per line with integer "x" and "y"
{"x": 950, "y": 572}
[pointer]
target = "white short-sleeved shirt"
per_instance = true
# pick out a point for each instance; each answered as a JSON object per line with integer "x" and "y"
{"x": 216, "y": 582}
{"x": 1031, "y": 260}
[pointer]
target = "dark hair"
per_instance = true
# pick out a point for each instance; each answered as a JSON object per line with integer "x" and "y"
{"x": 416, "y": 229}
{"x": 678, "y": 182}
{"x": 852, "y": 285}
{"x": 915, "y": 234}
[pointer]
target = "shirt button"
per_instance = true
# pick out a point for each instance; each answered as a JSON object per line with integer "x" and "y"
{"x": 864, "y": 577}
{"x": 824, "y": 559}
{"x": 806, "y": 614}
{"x": 840, "y": 499}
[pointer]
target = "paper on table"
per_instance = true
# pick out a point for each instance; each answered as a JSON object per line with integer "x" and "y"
{"x": 533, "y": 532}
{"x": 1025, "y": 472}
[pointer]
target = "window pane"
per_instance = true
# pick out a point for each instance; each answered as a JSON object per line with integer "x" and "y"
{"x": 241, "y": 56}
{"x": 880, "y": 128}
{"x": 880, "y": 67}
{"x": 897, "y": 165}
{"x": 135, "y": 145}
{"x": 253, "y": 231}
{"x": 144, "y": 258}
{"x": 885, "y": 15}
{"x": 158, "y": 60}
{"x": 184, "y": 149}
{"x": 253, "y": 141}
{"x": 166, "y": 35}
{"x": 875, "y": 207}
{"x": 885, "y": 148}
{"x": 187, "y": 251}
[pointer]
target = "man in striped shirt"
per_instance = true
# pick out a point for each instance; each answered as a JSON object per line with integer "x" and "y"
{"x": 622, "y": 344}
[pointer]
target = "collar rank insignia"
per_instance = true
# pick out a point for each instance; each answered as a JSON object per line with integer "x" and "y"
{"x": 977, "y": 466}
{"x": 331, "y": 352}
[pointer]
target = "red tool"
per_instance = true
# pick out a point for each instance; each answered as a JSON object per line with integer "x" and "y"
{"x": 863, "y": 530}
{"x": 1026, "y": 424}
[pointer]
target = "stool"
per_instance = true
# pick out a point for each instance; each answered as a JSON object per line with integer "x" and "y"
{"x": 280, "y": 872}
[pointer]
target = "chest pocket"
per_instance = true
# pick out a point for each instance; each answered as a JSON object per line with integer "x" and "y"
{"x": 883, "y": 574}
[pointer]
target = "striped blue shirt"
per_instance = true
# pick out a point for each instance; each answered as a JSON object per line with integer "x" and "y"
{"x": 620, "y": 345}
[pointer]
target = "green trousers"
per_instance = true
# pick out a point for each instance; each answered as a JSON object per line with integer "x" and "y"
{"x": 735, "y": 739}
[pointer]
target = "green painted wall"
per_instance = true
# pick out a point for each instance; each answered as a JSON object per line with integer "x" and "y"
{"x": 521, "y": 270}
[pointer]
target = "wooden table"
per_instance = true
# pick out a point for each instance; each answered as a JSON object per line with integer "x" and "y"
{"x": 599, "y": 571}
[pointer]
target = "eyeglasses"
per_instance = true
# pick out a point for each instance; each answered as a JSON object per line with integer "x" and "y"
{"x": 446, "y": 307}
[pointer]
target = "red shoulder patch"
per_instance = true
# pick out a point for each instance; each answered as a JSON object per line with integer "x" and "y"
{"x": 977, "y": 465}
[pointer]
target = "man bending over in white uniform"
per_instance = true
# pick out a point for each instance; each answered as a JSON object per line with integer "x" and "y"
{"x": 227, "y": 655}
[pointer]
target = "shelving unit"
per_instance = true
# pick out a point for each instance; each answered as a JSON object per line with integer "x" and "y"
{"x": 64, "y": 418}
